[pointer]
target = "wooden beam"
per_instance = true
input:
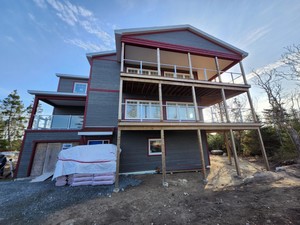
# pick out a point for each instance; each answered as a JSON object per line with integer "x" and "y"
{"x": 160, "y": 102}
{"x": 201, "y": 155}
{"x": 195, "y": 104}
{"x": 218, "y": 69}
{"x": 236, "y": 161}
{"x": 190, "y": 65}
{"x": 33, "y": 112}
{"x": 227, "y": 148}
{"x": 158, "y": 62}
{"x": 225, "y": 105}
{"x": 163, "y": 158}
{"x": 122, "y": 57}
{"x": 120, "y": 100}
{"x": 118, "y": 161}
{"x": 186, "y": 126}
{"x": 263, "y": 150}
{"x": 251, "y": 106}
{"x": 243, "y": 73}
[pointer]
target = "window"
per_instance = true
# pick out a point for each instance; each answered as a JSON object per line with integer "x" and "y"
{"x": 142, "y": 110}
{"x": 80, "y": 88}
{"x": 97, "y": 142}
{"x": 180, "y": 111}
{"x": 154, "y": 147}
{"x": 144, "y": 71}
{"x": 66, "y": 146}
{"x": 178, "y": 75}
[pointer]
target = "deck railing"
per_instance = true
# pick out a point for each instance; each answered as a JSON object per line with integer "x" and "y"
{"x": 181, "y": 72}
{"x": 42, "y": 122}
{"x": 183, "y": 112}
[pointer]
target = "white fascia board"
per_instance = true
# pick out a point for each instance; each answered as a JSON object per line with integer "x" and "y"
{"x": 72, "y": 76}
{"x": 55, "y": 93}
{"x": 97, "y": 133}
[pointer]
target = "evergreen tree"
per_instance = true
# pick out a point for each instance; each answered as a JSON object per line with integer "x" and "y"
{"x": 13, "y": 121}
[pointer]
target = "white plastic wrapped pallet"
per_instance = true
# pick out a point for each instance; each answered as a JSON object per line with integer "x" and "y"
{"x": 86, "y": 159}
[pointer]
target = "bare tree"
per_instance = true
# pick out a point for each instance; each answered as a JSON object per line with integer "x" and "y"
{"x": 291, "y": 58}
{"x": 270, "y": 82}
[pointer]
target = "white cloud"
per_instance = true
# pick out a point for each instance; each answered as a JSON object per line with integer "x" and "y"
{"x": 279, "y": 63}
{"x": 82, "y": 18}
{"x": 255, "y": 35}
{"x": 41, "y": 3}
{"x": 32, "y": 17}
{"x": 88, "y": 46}
{"x": 10, "y": 39}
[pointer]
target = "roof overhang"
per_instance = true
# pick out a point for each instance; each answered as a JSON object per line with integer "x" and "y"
{"x": 72, "y": 76}
{"x": 90, "y": 56}
{"x": 60, "y": 98}
{"x": 139, "y": 31}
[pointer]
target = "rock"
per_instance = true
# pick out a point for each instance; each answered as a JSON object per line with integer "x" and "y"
{"x": 263, "y": 177}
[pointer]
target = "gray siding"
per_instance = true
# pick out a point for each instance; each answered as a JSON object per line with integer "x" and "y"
{"x": 102, "y": 105}
{"x": 67, "y": 84}
{"x": 102, "y": 109}
{"x": 184, "y": 38}
{"x": 105, "y": 75}
{"x": 182, "y": 151}
{"x": 68, "y": 110}
{"x": 32, "y": 137}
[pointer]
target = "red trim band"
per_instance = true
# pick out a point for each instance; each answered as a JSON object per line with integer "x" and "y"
{"x": 103, "y": 90}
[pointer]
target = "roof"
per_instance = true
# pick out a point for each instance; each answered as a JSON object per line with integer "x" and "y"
{"x": 132, "y": 31}
{"x": 72, "y": 76}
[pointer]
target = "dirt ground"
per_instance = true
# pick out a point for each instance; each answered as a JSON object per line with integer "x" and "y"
{"x": 265, "y": 198}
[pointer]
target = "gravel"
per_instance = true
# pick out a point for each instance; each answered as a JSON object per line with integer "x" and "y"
{"x": 22, "y": 202}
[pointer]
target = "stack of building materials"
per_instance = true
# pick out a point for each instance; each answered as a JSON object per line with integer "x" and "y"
{"x": 86, "y": 165}
{"x": 91, "y": 179}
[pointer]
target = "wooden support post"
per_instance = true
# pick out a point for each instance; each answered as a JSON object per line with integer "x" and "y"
{"x": 221, "y": 113}
{"x": 120, "y": 100}
{"x": 243, "y": 72}
{"x": 160, "y": 101}
{"x": 263, "y": 150}
{"x": 201, "y": 155}
{"x": 218, "y": 69}
{"x": 236, "y": 161}
{"x": 225, "y": 105}
{"x": 251, "y": 106}
{"x": 227, "y": 148}
{"x": 163, "y": 158}
{"x": 190, "y": 65}
{"x": 118, "y": 160}
{"x": 122, "y": 57}
{"x": 33, "y": 112}
{"x": 158, "y": 62}
{"x": 195, "y": 104}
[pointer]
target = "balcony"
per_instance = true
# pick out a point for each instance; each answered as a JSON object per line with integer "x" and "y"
{"x": 136, "y": 67}
{"x": 150, "y": 111}
{"x": 48, "y": 122}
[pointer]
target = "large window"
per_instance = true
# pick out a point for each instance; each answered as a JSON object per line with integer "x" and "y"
{"x": 154, "y": 147}
{"x": 180, "y": 111}
{"x": 142, "y": 110}
{"x": 80, "y": 88}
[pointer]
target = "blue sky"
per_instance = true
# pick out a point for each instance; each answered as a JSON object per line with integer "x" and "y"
{"x": 39, "y": 38}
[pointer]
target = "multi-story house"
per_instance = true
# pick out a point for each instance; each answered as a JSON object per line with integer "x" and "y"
{"x": 156, "y": 97}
